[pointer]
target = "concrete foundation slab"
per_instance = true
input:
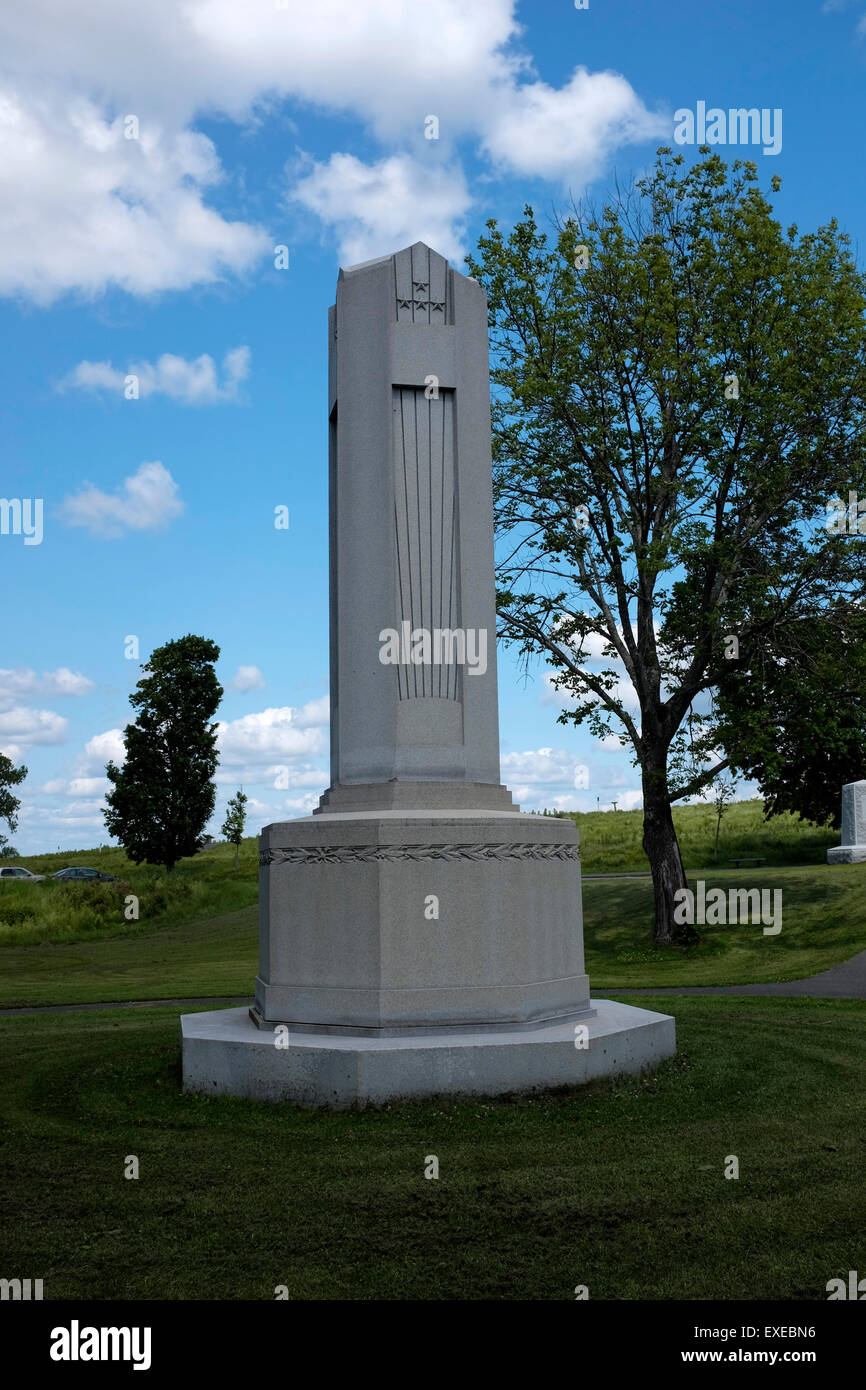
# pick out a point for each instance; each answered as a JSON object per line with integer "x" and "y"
{"x": 224, "y": 1053}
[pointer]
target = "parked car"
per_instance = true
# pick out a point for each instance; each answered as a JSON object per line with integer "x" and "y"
{"x": 22, "y": 875}
{"x": 79, "y": 873}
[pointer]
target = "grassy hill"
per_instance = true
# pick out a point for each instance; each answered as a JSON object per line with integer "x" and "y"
{"x": 610, "y": 841}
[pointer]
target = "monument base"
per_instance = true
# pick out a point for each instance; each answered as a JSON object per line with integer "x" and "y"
{"x": 846, "y": 854}
{"x": 225, "y": 1053}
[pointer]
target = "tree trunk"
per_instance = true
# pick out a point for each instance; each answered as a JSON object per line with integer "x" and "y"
{"x": 663, "y": 851}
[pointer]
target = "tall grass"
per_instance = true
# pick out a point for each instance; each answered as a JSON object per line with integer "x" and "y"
{"x": 203, "y": 886}
{"x": 610, "y": 841}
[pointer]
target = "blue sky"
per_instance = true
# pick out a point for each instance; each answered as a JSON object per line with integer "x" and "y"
{"x": 259, "y": 126}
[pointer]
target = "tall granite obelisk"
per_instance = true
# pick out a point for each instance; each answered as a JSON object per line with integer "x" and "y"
{"x": 417, "y": 933}
{"x": 411, "y": 540}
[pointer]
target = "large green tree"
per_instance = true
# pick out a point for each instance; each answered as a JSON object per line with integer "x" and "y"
{"x": 793, "y": 717}
{"x": 10, "y": 776}
{"x": 679, "y": 392}
{"x": 163, "y": 795}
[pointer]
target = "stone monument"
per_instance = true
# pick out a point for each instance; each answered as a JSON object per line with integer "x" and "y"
{"x": 418, "y": 935}
{"x": 853, "y": 847}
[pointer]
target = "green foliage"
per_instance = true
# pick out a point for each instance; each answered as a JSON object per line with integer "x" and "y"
{"x": 794, "y": 719}
{"x": 673, "y": 411}
{"x": 10, "y": 776}
{"x": 163, "y": 796}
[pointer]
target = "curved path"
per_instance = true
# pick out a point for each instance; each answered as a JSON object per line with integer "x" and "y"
{"x": 126, "y": 1004}
{"x": 845, "y": 981}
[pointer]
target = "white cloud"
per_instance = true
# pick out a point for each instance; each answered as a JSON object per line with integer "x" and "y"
{"x": 376, "y": 208}
{"x": 74, "y": 813}
{"x": 145, "y": 501}
{"x": 31, "y": 726}
{"x": 82, "y": 208}
{"x": 545, "y": 767}
{"x": 628, "y": 801}
{"x": 78, "y": 786}
{"x": 55, "y": 787}
{"x": 85, "y": 208}
{"x": 191, "y": 381}
{"x": 370, "y": 59}
{"x": 66, "y": 682}
{"x": 568, "y": 133}
{"x": 314, "y": 712}
{"x": 88, "y": 786}
{"x": 22, "y": 680}
{"x": 247, "y": 678}
{"x": 301, "y": 806}
{"x": 100, "y": 750}
{"x": 271, "y": 736}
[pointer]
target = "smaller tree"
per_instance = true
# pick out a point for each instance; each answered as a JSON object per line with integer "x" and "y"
{"x": 724, "y": 792}
{"x": 10, "y": 776}
{"x": 9, "y": 852}
{"x": 233, "y": 825}
{"x": 163, "y": 796}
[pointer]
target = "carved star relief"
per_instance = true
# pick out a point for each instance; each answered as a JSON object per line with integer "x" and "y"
{"x": 420, "y": 284}
{"x": 405, "y": 303}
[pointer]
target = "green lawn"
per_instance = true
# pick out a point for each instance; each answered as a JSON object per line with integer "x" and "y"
{"x": 824, "y": 922}
{"x": 619, "y": 1187}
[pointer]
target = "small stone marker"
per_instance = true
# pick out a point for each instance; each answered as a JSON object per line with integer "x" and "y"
{"x": 853, "y": 847}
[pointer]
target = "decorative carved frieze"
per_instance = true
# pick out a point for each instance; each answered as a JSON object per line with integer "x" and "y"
{"x": 391, "y": 854}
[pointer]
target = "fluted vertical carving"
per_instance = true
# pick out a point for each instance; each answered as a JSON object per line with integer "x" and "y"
{"x": 425, "y": 529}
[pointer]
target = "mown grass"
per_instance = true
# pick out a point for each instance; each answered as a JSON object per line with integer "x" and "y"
{"x": 823, "y": 923}
{"x": 619, "y": 1186}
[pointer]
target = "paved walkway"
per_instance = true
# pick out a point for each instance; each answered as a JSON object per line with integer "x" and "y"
{"x": 127, "y": 1004}
{"x": 845, "y": 981}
